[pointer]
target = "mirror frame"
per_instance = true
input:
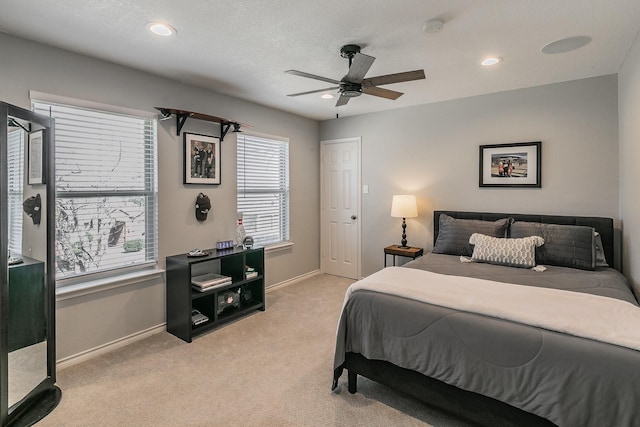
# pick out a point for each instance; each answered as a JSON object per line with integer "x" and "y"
{"x": 45, "y": 396}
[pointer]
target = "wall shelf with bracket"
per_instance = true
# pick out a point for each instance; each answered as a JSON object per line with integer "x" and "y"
{"x": 183, "y": 115}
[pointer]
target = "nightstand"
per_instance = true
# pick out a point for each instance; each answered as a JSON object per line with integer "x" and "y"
{"x": 396, "y": 250}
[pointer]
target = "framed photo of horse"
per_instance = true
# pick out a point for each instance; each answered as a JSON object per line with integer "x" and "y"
{"x": 511, "y": 165}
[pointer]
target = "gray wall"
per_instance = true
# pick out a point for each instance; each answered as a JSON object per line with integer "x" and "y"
{"x": 629, "y": 112}
{"x": 432, "y": 151}
{"x": 90, "y": 321}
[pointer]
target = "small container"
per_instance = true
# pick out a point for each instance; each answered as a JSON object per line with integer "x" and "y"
{"x": 240, "y": 231}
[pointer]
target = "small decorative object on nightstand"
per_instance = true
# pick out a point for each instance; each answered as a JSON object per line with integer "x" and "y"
{"x": 396, "y": 250}
{"x": 404, "y": 206}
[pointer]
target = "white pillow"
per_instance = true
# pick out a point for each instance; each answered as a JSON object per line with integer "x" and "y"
{"x": 512, "y": 252}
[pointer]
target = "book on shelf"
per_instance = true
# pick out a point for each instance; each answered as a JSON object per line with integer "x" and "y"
{"x": 208, "y": 288}
{"x": 250, "y": 272}
{"x": 210, "y": 279}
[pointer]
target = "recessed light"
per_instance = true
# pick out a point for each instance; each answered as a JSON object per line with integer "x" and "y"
{"x": 161, "y": 29}
{"x": 493, "y": 60}
{"x": 327, "y": 96}
{"x": 566, "y": 45}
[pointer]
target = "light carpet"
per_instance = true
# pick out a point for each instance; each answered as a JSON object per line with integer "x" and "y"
{"x": 272, "y": 368}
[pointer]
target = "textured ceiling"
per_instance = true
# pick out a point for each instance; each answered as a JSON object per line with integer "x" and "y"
{"x": 242, "y": 47}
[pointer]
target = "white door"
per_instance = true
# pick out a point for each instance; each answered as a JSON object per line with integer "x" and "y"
{"x": 340, "y": 205}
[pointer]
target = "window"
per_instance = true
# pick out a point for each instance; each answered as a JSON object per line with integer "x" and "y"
{"x": 15, "y": 173}
{"x": 106, "y": 189}
{"x": 263, "y": 188}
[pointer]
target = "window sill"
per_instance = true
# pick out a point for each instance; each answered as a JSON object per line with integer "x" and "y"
{"x": 278, "y": 247}
{"x": 106, "y": 283}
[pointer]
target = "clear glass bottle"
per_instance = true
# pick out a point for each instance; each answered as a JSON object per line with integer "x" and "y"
{"x": 240, "y": 231}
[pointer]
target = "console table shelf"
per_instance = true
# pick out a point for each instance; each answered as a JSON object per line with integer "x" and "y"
{"x": 221, "y": 304}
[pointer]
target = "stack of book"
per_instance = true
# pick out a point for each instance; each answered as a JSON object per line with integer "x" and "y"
{"x": 250, "y": 273}
{"x": 209, "y": 281}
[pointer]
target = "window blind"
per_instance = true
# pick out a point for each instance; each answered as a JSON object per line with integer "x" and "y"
{"x": 263, "y": 188}
{"x": 106, "y": 189}
{"x": 15, "y": 173}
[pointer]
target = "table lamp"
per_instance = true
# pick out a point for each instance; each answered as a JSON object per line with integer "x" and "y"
{"x": 404, "y": 206}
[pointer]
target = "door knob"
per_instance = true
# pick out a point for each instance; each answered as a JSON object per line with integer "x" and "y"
{"x": 353, "y": 217}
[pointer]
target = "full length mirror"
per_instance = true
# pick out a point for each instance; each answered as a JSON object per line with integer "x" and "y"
{"x": 27, "y": 257}
{"x": 27, "y": 292}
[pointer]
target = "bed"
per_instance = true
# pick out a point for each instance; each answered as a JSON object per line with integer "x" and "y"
{"x": 496, "y": 344}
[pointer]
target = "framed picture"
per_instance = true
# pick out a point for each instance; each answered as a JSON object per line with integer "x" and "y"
{"x": 35, "y": 157}
{"x": 510, "y": 165}
{"x": 201, "y": 159}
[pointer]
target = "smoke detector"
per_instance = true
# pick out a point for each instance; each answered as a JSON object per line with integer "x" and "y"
{"x": 433, "y": 25}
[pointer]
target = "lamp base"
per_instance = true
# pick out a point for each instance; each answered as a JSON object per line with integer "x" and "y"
{"x": 403, "y": 242}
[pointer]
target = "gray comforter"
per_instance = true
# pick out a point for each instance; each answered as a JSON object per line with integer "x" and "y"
{"x": 568, "y": 380}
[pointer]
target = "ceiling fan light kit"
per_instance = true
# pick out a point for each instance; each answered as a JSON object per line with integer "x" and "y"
{"x": 353, "y": 84}
{"x": 350, "y": 90}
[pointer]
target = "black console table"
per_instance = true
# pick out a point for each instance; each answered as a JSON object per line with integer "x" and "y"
{"x": 248, "y": 293}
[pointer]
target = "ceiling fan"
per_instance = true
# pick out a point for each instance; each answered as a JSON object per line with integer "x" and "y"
{"x": 354, "y": 84}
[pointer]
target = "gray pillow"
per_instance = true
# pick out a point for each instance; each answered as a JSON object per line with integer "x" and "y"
{"x": 601, "y": 260}
{"x": 453, "y": 234}
{"x": 564, "y": 245}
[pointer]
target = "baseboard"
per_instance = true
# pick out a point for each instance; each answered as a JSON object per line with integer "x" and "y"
{"x": 110, "y": 346}
{"x": 121, "y": 342}
{"x": 292, "y": 281}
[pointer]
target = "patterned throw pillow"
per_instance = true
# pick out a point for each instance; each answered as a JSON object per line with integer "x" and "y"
{"x": 511, "y": 252}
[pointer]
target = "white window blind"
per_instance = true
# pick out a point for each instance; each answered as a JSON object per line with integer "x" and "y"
{"x": 106, "y": 189}
{"x": 263, "y": 188}
{"x": 15, "y": 172}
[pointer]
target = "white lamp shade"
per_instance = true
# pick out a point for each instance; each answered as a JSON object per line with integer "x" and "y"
{"x": 404, "y": 206}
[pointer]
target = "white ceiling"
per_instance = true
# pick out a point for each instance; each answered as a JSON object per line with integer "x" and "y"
{"x": 242, "y": 47}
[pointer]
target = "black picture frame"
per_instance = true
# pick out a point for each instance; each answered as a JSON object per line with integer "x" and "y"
{"x": 35, "y": 158}
{"x": 201, "y": 159}
{"x": 515, "y": 165}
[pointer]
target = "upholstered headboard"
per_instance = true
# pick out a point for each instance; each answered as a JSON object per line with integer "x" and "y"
{"x": 604, "y": 226}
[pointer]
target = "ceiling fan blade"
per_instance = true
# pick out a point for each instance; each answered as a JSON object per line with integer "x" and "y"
{"x": 382, "y": 93}
{"x": 407, "y": 76}
{"x": 315, "y": 91}
{"x": 312, "y": 76}
{"x": 359, "y": 67}
{"x": 342, "y": 100}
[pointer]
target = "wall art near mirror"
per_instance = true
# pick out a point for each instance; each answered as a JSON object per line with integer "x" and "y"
{"x": 36, "y": 150}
